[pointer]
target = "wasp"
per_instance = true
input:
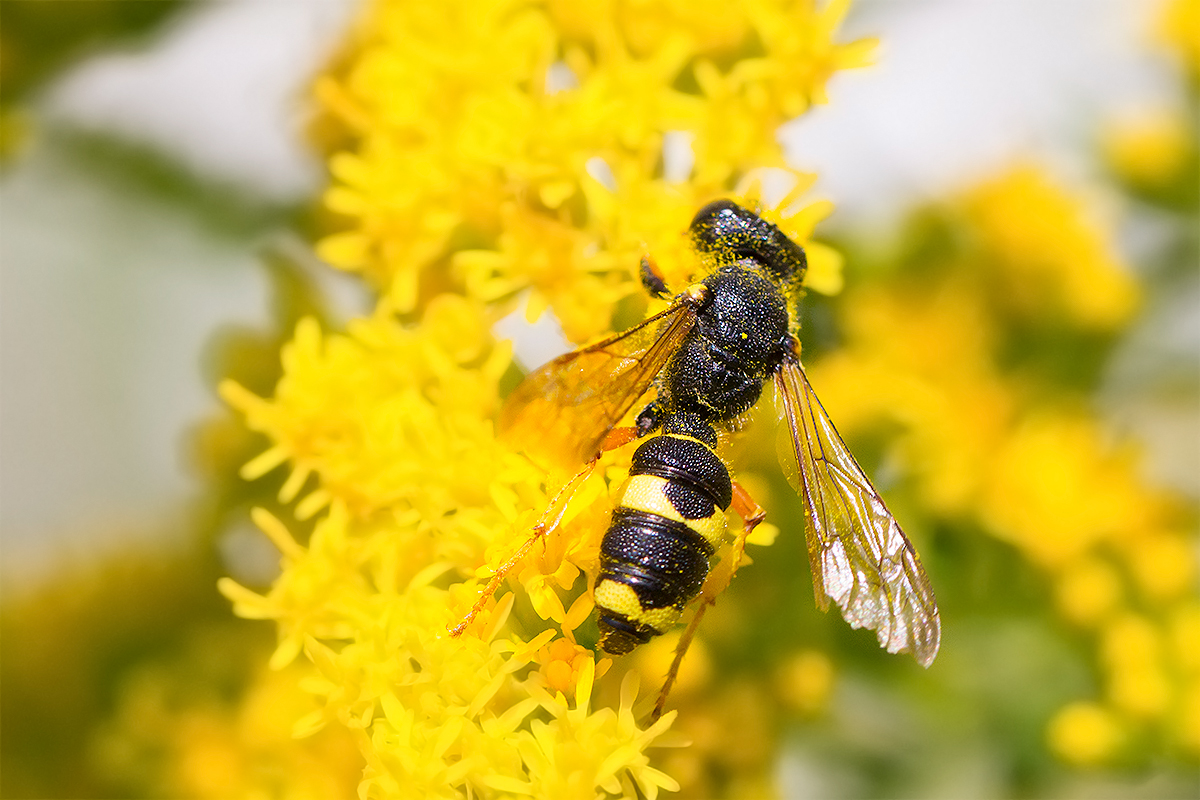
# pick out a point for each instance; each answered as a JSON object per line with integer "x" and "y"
{"x": 708, "y": 357}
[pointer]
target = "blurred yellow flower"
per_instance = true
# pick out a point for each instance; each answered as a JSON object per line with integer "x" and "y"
{"x": 1185, "y": 636}
{"x": 1084, "y": 734}
{"x": 925, "y": 352}
{"x": 1053, "y": 260}
{"x": 1178, "y": 28}
{"x": 951, "y": 355}
{"x": 805, "y": 682}
{"x": 181, "y": 739}
{"x": 1148, "y": 148}
{"x": 1056, "y": 494}
{"x": 1089, "y": 591}
{"x": 1164, "y": 566}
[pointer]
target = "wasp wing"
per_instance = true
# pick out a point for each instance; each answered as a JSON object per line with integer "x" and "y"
{"x": 860, "y": 558}
{"x": 561, "y": 412}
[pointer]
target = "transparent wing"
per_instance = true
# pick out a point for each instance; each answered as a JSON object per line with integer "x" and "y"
{"x": 561, "y": 412}
{"x": 860, "y": 558}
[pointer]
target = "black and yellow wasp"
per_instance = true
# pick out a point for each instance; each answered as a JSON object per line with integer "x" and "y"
{"x": 707, "y": 357}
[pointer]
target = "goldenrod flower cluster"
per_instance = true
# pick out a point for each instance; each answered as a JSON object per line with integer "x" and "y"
{"x": 168, "y": 739}
{"x": 976, "y": 355}
{"x": 1153, "y": 146}
{"x": 485, "y": 153}
{"x": 1134, "y": 586}
{"x": 496, "y": 148}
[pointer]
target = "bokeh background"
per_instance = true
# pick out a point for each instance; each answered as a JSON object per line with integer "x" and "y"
{"x": 158, "y": 202}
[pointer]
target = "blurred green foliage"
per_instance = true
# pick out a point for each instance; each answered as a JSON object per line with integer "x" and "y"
{"x": 39, "y": 39}
{"x": 73, "y": 646}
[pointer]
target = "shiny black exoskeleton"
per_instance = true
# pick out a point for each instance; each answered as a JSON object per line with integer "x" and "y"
{"x": 670, "y": 517}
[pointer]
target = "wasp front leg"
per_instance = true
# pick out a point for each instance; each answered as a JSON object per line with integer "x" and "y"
{"x": 652, "y": 278}
{"x": 717, "y": 582}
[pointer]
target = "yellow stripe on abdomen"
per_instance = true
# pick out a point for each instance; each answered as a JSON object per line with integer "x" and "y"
{"x": 648, "y": 493}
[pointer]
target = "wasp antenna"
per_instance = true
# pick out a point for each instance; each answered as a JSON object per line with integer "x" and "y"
{"x": 652, "y": 278}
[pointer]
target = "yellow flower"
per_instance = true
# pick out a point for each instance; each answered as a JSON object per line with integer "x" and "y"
{"x": 386, "y": 416}
{"x": 1178, "y": 29}
{"x": 1140, "y": 690}
{"x": 561, "y": 662}
{"x": 928, "y": 352}
{"x": 578, "y": 752}
{"x": 469, "y": 147}
{"x": 1055, "y": 493}
{"x": 1132, "y": 649}
{"x": 173, "y": 736}
{"x": 487, "y": 154}
{"x": 1088, "y": 591}
{"x": 1084, "y": 734}
{"x": 1052, "y": 259}
{"x": 652, "y": 661}
{"x": 709, "y": 26}
{"x": 444, "y": 715}
{"x": 925, "y": 353}
{"x": 1149, "y": 149}
{"x": 1185, "y": 637}
{"x": 1164, "y": 565}
{"x": 805, "y": 681}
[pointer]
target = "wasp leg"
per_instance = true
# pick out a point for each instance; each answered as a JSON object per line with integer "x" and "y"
{"x": 652, "y": 278}
{"x": 750, "y": 512}
{"x": 548, "y": 522}
{"x": 618, "y": 437}
{"x": 718, "y": 581}
{"x": 545, "y": 525}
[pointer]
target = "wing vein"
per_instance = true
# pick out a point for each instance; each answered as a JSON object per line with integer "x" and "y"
{"x": 561, "y": 412}
{"x": 860, "y": 557}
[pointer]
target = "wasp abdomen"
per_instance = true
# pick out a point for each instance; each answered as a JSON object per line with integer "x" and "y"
{"x": 655, "y": 555}
{"x": 659, "y": 558}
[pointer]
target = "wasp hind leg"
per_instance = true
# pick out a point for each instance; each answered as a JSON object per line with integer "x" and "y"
{"x": 545, "y": 525}
{"x": 549, "y": 520}
{"x": 718, "y": 581}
